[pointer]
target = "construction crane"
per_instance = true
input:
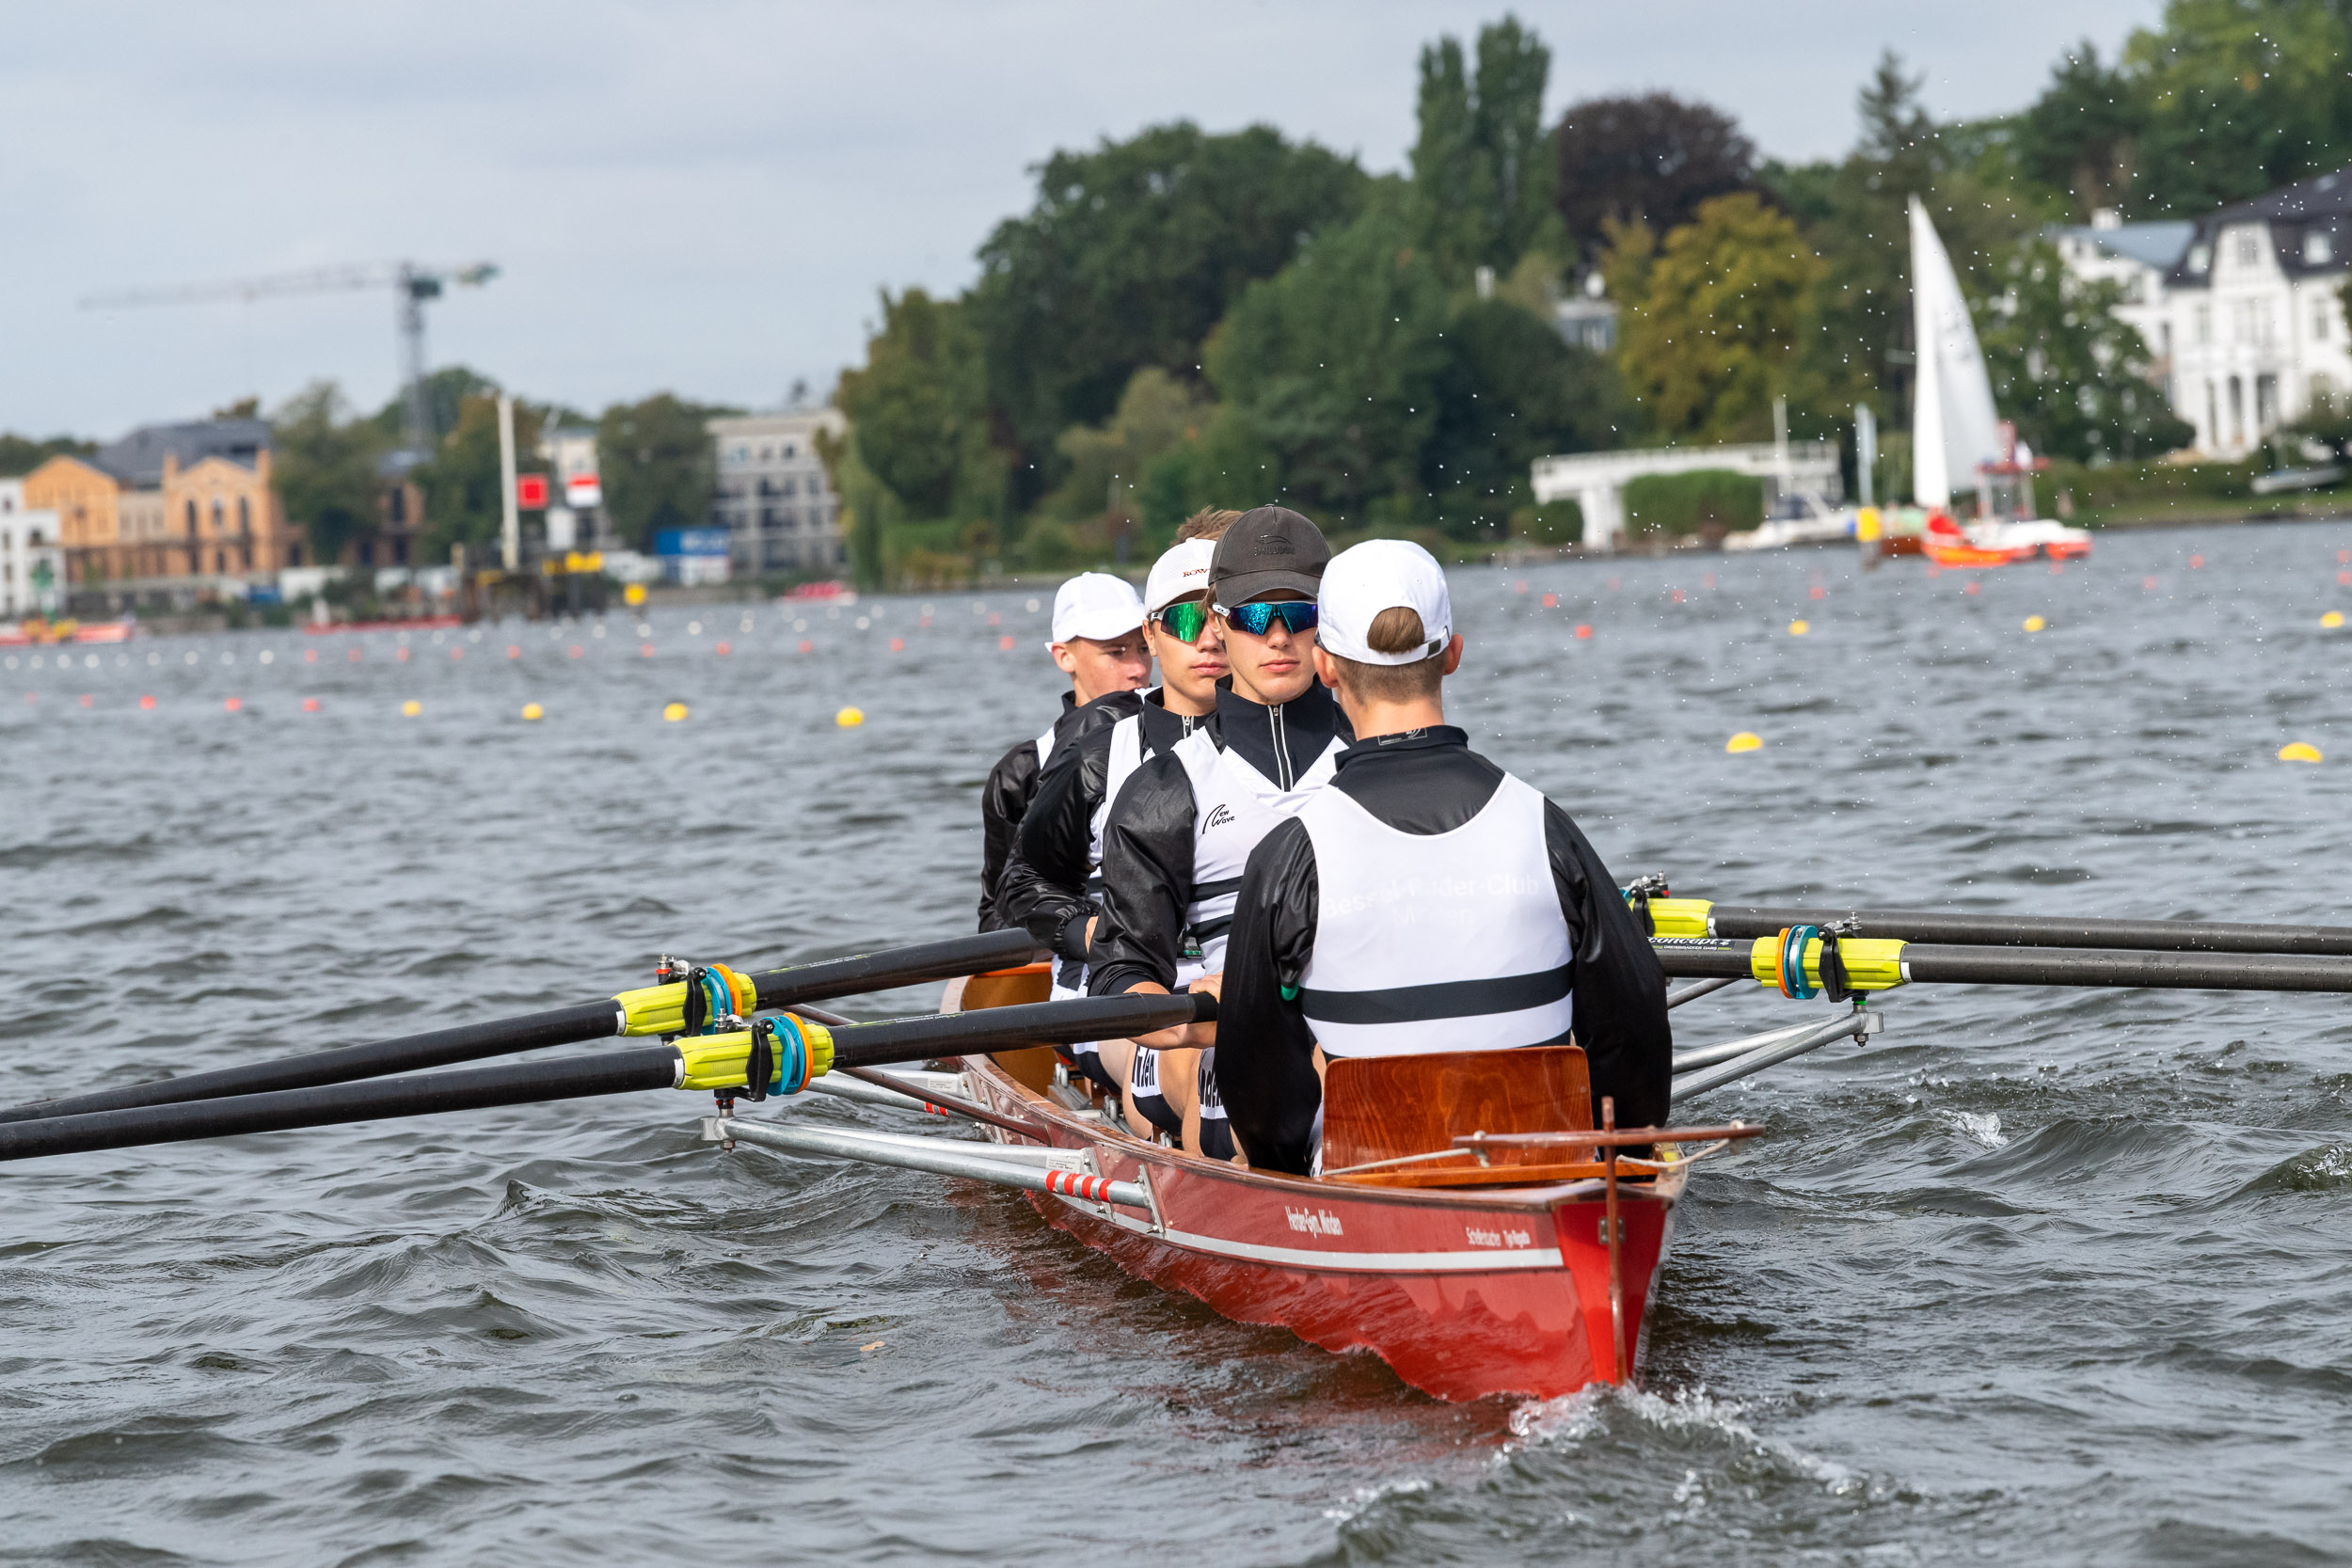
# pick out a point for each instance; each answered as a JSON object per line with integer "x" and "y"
{"x": 411, "y": 283}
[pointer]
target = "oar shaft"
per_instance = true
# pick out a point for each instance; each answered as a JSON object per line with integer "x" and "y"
{"x": 511, "y": 1083}
{"x": 1705, "y": 957}
{"x": 588, "y": 1021}
{"x": 470, "y": 1042}
{"x": 2060, "y": 966}
{"x": 703, "y": 1059}
{"x": 896, "y": 966}
{"x": 2017, "y": 931}
{"x": 1099, "y": 1018}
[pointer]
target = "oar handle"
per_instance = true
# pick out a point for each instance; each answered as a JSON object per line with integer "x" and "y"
{"x": 1091, "y": 1017}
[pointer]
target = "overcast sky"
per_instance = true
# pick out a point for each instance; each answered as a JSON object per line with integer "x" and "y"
{"x": 705, "y": 198}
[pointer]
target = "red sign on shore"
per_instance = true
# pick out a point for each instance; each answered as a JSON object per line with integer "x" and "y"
{"x": 531, "y": 491}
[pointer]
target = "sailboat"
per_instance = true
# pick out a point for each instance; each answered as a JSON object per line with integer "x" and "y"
{"x": 1957, "y": 435}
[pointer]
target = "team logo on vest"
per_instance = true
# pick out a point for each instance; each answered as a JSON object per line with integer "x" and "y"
{"x": 1220, "y": 817}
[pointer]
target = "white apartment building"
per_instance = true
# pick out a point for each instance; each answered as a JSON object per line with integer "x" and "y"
{"x": 2246, "y": 324}
{"x": 32, "y": 561}
{"x": 773, "y": 498}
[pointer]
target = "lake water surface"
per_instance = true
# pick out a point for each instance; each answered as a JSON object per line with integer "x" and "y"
{"x": 2038, "y": 1276}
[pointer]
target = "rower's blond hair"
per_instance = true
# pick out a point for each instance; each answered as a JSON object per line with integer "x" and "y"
{"x": 1207, "y": 523}
{"x": 1395, "y": 630}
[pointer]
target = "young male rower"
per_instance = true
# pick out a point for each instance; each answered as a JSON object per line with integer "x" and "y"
{"x": 1098, "y": 642}
{"x": 1050, "y": 883}
{"x": 1182, "y": 828}
{"x": 1427, "y": 900}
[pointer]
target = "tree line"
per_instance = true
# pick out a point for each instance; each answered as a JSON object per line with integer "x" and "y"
{"x": 1183, "y": 318}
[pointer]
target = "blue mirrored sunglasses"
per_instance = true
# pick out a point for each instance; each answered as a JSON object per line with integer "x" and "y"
{"x": 1297, "y": 615}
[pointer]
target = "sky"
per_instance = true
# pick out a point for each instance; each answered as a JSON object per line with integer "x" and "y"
{"x": 704, "y": 197}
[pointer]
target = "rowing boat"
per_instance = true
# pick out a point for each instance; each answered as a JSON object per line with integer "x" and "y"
{"x": 1465, "y": 1291}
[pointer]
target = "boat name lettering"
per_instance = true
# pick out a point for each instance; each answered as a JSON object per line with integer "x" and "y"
{"x": 1504, "y": 1237}
{"x": 1319, "y": 1222}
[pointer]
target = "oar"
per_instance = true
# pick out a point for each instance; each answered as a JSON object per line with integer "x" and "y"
{"x": 653, "y": 1010}
{"x": 788, "y": 1053}
{"x": 1877, "y": 964}
{"x": 1696, "y": 917}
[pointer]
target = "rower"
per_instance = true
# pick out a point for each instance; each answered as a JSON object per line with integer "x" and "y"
{"x": 1098, "y": 642}
{"x": 1051, "y": 881}
{"x": 1427, "y": 901}
{"x": 1182, "y": 828}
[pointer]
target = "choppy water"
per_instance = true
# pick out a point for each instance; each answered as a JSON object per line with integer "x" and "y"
{"x": 2046, "y": 1277}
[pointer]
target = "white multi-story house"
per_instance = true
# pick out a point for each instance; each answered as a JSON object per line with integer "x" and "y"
{"x": 2137, "y": 258}
{"x": 2255, "y": 314}
{"x": 32, "y": 558}
{"x": 773, "y": 498}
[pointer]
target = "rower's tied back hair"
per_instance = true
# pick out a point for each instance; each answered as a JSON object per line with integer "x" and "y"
{"x": 1395, "y": 630}
{"x": 1207, "y": 523}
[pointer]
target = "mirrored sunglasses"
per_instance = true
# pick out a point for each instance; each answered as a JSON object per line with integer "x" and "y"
{"x": 1297, "y": 615}
{"x": 1184, "y": 620}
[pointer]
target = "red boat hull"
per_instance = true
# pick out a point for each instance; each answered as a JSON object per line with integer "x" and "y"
{"x": 1467, "y": 1293}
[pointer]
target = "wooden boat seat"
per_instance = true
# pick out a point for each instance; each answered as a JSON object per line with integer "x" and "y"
{"x": 1031, "y": 1066}
{"x": 1381, "y": 1108}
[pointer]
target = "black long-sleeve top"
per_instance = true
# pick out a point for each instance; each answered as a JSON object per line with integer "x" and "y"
{"x": 1044, "y": 883}
{"x": 1012, "y": 783}
{"x": 1147, "y": 842}
{"x": 1421, "y": 782}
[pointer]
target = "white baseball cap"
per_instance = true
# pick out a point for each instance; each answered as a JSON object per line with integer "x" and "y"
{"x": 1180, "y": 572}
{"x": 1382, "y": 574}
{"x": 1095, "y": 605}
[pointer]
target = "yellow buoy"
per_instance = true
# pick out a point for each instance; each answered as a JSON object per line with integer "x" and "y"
{"x": 1798, "y": 629}
{"x": 1746, "y": 741}
{"x": 673, "y": 712}
{"x": 633, "y": 594}
{"x": 2334, "y": 619}
{"x": 532, "y": 710}
{"x": 849, "y": 717}
{"x": 410, "y": 708}
{"x": 2298, "y": 750}
{"x": 2035, "y": 623}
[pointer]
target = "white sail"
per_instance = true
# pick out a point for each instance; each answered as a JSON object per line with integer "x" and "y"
{"x": 1954, "y": 427}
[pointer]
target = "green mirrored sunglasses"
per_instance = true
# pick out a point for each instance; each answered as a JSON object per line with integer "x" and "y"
{"x": 1184, "y": 620}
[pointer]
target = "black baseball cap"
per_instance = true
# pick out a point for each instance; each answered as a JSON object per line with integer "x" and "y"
{"x": 1269, "y": 549}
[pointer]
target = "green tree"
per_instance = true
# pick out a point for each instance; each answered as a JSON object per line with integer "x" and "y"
{"x": 1511, "y": 391}
{"x": 324, "y": 465}
{"x": 2242, "y": 96}
{"x": 464, "y": 503}
{"x": 1328, "y": 372}
{"x": 2081, "y": 137}
{"x": 21, "y": 454}
{"x": 2073, "y": 377}
{"x": 445, "y": 392}
{"x": 1856, "y": 216}
{"x": 1109, "y": 464}
{"x": 1131, "y": 253}
{"x": 918, "y": 410}
{"x": 1483, "y": 171}
{"x": 655, "y": 459}
{"x": 1719, "y": 331}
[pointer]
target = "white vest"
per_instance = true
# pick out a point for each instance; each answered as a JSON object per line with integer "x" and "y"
{"x": 1045, "y": 744}
{"x": 1235, "y": 807}
{"x": 1436, "y": 942}
{"x": 1126, "y": 756}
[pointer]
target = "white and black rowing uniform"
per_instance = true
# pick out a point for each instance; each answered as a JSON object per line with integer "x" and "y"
{"x": 1054, "y": 876}
{"x": 1013, "y": 782}
{"x": 1175, "y": 844}
{"x": 1428, "y": 901}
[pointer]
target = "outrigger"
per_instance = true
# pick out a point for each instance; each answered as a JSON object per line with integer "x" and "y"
{"x": 1478, "y": 1223}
